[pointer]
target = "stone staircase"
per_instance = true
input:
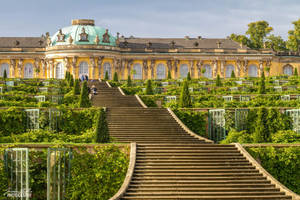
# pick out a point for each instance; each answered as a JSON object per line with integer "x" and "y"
{"x": 171, "y": 164}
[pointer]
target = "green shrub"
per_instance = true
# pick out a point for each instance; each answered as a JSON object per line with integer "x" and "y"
{"x": 12, "y": 121}
{"x": 149, "y": 101}
{"x": 101, "y": 130}
{"x": 84, "y": 101}
{"x": 116, "y": 79}
{"x": 237, "y": 137}
{"x": 218, "y": 81}
{"x": 286, "y": 136}
{"x": 188, "y": 77}
{"x": 296, "y": 72}
{"x": 232, "y": 75}
{"x": 262, "y": 133}
{"x": 262, "y": 85}
{"x": 185, "y": 98}
{"x": 106, "y": 77}
{"x": 129, "y": 82}
{"x": 169, "y": 75}
{"x": 76, "y": 88}
{"x": 149, "y": 90}
{"x": 5, "y": 74}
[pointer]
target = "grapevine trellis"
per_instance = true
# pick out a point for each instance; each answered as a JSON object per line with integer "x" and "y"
{"x": 216, "y": 118}
{"x": 16, "y": 164}
{"x": 1, "y": 90}
{"x": 58, "y": 172}
{"x": 40, "y": 98}
{"x": 285, "y": 97}
{"x": 241, "y": 116}
{"x": 54, "y": 119}
{"x": 295, "y": 115}
{"x": 170, "y": 99}
{"x": 245, "y": 98}
{"x": 228, "y": 98}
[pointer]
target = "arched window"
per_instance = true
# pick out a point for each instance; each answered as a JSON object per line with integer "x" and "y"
{"x": 137, "y": 68}
{"x": 28, "y": 70}
{"x": 107, "y": 68}
{"x": 208, "y": 71}
{"x": 183, "y": 70}
{"x": 160, "y": 71}
{"x": 83, "y": 69}
{"x": 252, "y": 71}
{"x": 228, "y": 70}
{"x": 4, "y": 67}
{"x": 288, "y": 70}
{"x": 60, "y": 71}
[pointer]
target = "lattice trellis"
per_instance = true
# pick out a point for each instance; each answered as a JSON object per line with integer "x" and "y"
{"x": 295, "y": 115}
{"x": 233, "y": 89}
{"x": 57, "y": 99}
{"x": 164, "y": 84}
{"x": 245, "y": 98}
{"x": 285, "y": 97}
{"x": 32, "y": 119}
{"x": 40, "y": 98}
{"x": 241, "y": 115}
{"x": 216, "y": 128}
{"x": 228, "y": 98}
{"x": 16, "y": 164}
{"x": 278, "y": 88}
{"x": 1, "y": 90}
{"x": 58, "y": 172}
{"x": 170, "y": 98}
{"x": 45, "y": 83}
{"x": 54, "y": 119}
{"x": 43, "y": 89}
{"x": 10, "y": 83}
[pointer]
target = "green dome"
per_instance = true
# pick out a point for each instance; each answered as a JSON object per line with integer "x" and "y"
{"x": 78, "y": 27}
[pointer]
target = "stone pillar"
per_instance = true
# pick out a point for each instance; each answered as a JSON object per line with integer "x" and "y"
{"x": 169, "y": 64}
{"x": 12, "y": 68}
{"x": 123, "y": 62}
{"x": 215, "y": 68}
{"x": 222, "y": 64}
{"x": 51, "y": 67}
{"x": 199, "y": 65}
{"x": 129, "y": 65}
{"x": 152, "y": 68}
{"x": 268, "y": 65}
{"x": 261, "y": 67}
{"x": 100, "y": 61}
{"x": 238, "y": 68}
{"x": 93, "y": 67}
{"x": 145, "y": 68}
{"x": 44, "y": 65}
{"x": 245, "y": 66}
{"x": 74, "y": 66}
{"x": 67, "y": 65}
{"x": 176, "y": 68}
{"x": 20, "y": 66}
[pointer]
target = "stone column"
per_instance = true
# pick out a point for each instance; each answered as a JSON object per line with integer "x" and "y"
{"x": 74, "y": 66}
{"x": 93, "y": 67}
{"x": 152, "y": 68}
{"x": 20, "y": 66}
{"x": 12, "y": 67}
{"x": 222, "y": 64}
{"x": 100, "y": 61}
{"x": 145, "y": 68}
{"x": 199, "y": 65}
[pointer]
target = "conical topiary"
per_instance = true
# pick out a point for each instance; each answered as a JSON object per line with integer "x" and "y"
{"x": 71, "y": 81}
{"x": 261, "y": 133}
{"x": 185, "y": 98}
{"x": 129, "y": 83}
{"x": 232, "y": 74}
{"x": 84, "y": 101}
{"x": 169, "y": 75}
{"x": 101, "y": 131}
{"x": 149, "y": 90}
{"x": 218, "y": 81}
{"x": 296, "y": 72}
{"x": 188, "y": 77}
{"x": 262, "y": 86}
{"x": 5, "y": 74}
{"x": 106, "y": 77}
{"x": 76, "y": 88}
{"x": 116, "y": 79}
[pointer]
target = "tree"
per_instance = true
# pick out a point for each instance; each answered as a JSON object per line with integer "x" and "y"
{"x": 188, "y": 77}
{"x": 71, "y": 80}
{"x": 169, "y": 75}
{"x": 293, "y": 41}
{"x": 76, "y": 88}
{"x": 84, "y": 101}
{"x": 241, "y": 39}
{"x": 262, "y": 85}
{"x": 5, "y": 74}
{"x": 101, "y": 131}
{"x": 116, "y": 79}
{"x": 262, "y": 133}
{"x": 258, "y": 32}
{"x": 296, "y": 72}
{"x": 106, "y": 77}
{"x": 149, "y": 90}
{"x": 232, "y": 75}
{"x": 129, "y": 83}
{"x": 276, "y": 43}
{"x": 185, "y": 97}
{"x": 218, "y": 81}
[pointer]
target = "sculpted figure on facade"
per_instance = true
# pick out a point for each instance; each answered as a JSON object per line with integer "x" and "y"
{"x": 51, "y": 63}
{"x": 192, "y": 68}
{"x": 12, "y": 67}
{"x": 43, "y": 64}
{"x": 99, "y": 62}
{"x": 93, "y": 66}
{"x": 20, "y": 66}
{"x": 66, "y": 63}
{"x": 222, "y": 63}
{"x": 169, "y": 64}
{"x": 145, "y": 67}
{"x": 215, "y": 67}
{"x": 123, "y": 61}
{"x": 245, "y": 66}
{"x": 152, "y": 68}
{"x": 260, "y": 67}
{"x": 74, "y": 66}
{"x": 36, "y": 68}
{"x": 238, "y": 68}
{"x": 129, "y": 65}
{"x": 176, "y": 68}
{"x": 116, "y": 65}
{"x": 199, "y": 65}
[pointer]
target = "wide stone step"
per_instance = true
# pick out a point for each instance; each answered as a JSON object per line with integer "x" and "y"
{"x": 205, "y": 189}
{"x": 200, "y": 193}
{"x": 193, "y": 167}
{"x": 202, "y": 186}
{"x": 203, "y": 182}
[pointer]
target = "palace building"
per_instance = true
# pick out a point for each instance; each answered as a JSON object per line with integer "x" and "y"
{"x": 86, "y": 49}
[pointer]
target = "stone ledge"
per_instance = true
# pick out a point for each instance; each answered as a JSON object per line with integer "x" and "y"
{"x": 121, "y": 91}
{"x": 140, "y": 101}
{"x": 129, "y": 174}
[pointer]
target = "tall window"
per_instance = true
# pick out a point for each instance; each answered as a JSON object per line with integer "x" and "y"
{"x": 228, "y": 70}
{"x": 28, "y": 70}
{"x": 107, "y": 68}
{"x": 208, "y": 71}
{"x": 184, "y": 70}
{"x": 137, "y": 68}
{"x": 252, "y": 71}
{"x": 160, "y": 71}
{"x": 83, "y": 69}
{"x": 4, "y": 67}
{"x": 288, "y": 70}
{"x": 60, "y": 72}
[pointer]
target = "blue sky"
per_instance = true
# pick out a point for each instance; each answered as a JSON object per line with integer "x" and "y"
{"x": 148, "y": 18}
